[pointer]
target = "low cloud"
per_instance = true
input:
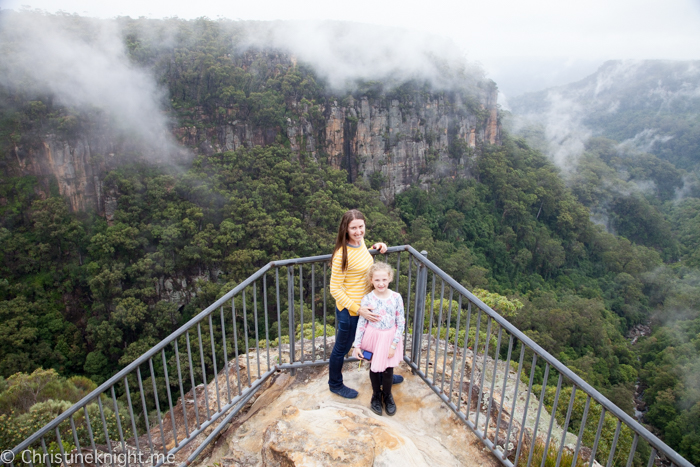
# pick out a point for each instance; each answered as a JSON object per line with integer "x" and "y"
{"x": 344, "y": 52}
{"x": 562, "y": 127}
{"x": 83, "y": 63}
{"x": 564, "y": 131}
{"x": 645, "y": 140}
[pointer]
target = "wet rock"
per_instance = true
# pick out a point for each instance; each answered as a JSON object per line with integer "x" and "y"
{"x": 639, "y": 330}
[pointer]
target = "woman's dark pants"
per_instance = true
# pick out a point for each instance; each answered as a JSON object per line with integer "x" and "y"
{"x": 345, "y": 327}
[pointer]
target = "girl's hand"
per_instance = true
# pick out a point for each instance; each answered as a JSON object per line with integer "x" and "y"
{"x": 392, "y": 352}
{"x": 367, "y": 314}
{"x": 380, "y": 246}
{"x": 357, "y": 353}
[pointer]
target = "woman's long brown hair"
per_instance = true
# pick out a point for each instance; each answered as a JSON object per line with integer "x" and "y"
{"x": 341, "y": 242}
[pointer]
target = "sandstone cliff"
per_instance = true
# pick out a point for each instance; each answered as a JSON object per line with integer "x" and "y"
{"x": 391, "y": 139}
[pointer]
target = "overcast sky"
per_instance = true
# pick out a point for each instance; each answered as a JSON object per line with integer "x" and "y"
{"x": 523, "y": 45}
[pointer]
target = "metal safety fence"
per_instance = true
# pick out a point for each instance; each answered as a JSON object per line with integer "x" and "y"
{"x": 170, "y": 403}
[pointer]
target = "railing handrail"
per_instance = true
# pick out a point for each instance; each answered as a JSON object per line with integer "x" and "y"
{"x": 580, "y": 383}
{"x": 419, "y": 257}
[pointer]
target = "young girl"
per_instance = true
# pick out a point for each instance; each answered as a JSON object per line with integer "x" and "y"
{"x": 383, "y": 338}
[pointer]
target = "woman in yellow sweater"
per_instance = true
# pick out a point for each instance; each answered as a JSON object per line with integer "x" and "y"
{"x": 350, "y": 263}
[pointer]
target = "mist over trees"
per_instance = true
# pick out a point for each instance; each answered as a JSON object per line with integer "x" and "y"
{"x": 637, "y": 169}
{"x": 590, "y": 251}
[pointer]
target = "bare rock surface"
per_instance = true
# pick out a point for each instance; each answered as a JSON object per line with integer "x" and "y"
{"x": 297, "y": 421}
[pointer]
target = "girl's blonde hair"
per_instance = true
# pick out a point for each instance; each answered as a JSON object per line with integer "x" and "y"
{"x": 378, "y": 266}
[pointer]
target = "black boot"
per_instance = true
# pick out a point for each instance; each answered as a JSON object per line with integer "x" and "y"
{"x": 376, "y": 404}
{"x": 387, "y": 382}
{"x": 389, "y": 404}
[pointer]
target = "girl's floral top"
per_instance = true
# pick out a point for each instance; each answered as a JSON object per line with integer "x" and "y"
{"x": 389, "y": 309}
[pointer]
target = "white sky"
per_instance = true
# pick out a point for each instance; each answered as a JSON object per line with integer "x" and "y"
{"x": 552, "y": 41}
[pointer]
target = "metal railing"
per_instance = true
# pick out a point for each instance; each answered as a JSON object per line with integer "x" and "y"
{"x": 493, "y": 377}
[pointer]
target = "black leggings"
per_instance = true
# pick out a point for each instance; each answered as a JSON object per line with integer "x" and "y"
{"x": 384, "y": 380}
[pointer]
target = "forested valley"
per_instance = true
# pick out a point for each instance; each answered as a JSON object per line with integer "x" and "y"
{"x": 82, "y": 295}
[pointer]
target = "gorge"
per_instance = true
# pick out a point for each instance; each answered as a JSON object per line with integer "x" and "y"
{"x": 119, "y": 223}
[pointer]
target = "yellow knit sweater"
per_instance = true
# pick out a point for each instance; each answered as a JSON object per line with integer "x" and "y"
{"x": 350, "y": 286}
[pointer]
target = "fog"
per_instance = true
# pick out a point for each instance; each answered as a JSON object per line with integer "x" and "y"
{"x": 83, "y": 63}
{"x": 344, "y": 52}
{"x": 564, "y": 111}
{"x": 524, "y": 46}
{"x": 561, "y": 121}
{"x": 516, "y": 75}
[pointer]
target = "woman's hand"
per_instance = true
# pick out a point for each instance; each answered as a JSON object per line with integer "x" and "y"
{"x": 357, "y": 353}
{"x": 392, "y": 352}
{"x": 367, "y": 314}
{"x": 380, "y": 246}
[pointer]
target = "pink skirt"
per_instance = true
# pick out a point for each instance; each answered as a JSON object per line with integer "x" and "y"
{"x": 378, "y": 341}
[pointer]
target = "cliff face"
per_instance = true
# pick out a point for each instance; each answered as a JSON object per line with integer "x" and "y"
{"x": 71, "y": 164}
{"x": 391, "y": 143}
{"x": 76, "y": 165}
{"x": 405, "y": 147}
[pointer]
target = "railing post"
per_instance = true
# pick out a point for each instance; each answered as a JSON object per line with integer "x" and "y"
{"x": 418, "y": 322}
{"x": 292, "y": 326}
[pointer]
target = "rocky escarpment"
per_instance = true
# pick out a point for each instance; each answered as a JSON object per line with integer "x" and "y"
{"x": 402, "y": 145}
{"x": 70, "y": 164}
{"x": 391, "y": 138}
{"x": 392, "y": 141}
{"x": 76, "y": 166}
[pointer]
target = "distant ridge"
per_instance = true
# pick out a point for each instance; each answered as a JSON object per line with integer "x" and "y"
{"x": 653, "y": 104}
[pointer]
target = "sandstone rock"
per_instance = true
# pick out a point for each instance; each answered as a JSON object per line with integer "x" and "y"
{"x": 333, "y": 434}
{"x": 294, "y": 419}
{"x": 302, "y": 423}
{"x": 327, "y": 440}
